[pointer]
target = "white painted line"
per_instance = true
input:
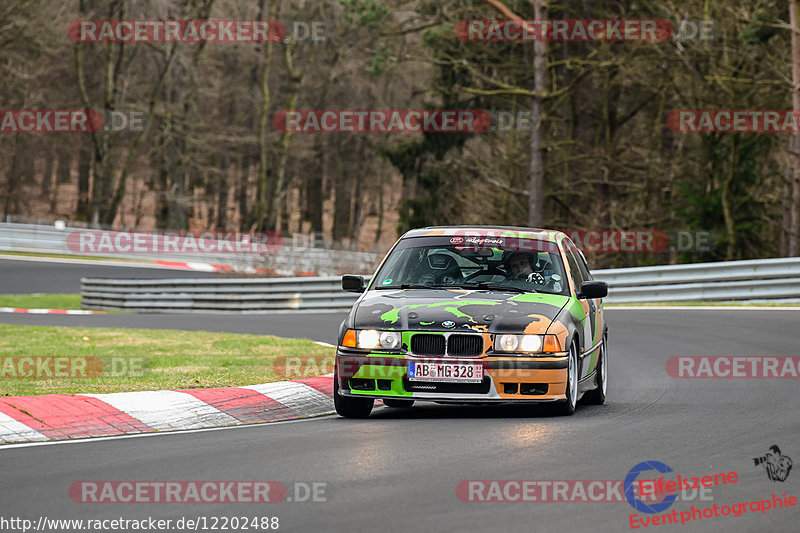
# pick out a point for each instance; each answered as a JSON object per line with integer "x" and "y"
{"x": 14, "y": 431}
{"x": 700, "y": 308}
{"x": 202, "y": 267}
{"x": 299, "y": 397}
{"x": 49, "y": 311}
{"x": 325, "y": 344}
{"x": 144, "y": 435}
{"x": 167, "y": 410}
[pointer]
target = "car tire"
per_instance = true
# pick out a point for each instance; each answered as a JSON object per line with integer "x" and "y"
{"x": 350, "y": 407}
{"x": 598, "y": 395}
{"x": 399, "y": 404}
{"x": 567, "y": 407}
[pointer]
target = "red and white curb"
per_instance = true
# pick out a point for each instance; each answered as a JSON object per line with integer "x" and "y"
{"x": 67, "y": 416}
{"x": 49, "y": 311}
{"x": 208, "y": 267}
{"x": 200, "y": 267}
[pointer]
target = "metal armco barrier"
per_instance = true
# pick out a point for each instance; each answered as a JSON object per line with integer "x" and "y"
{"x": 737, "y": 280}
{"x": 295, "y": 255}
{"x": 757, "y": 279}
{"x": 246, "y": 295}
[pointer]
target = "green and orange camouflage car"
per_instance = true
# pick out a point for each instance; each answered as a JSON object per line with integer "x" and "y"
{"x": 478, "y": 314}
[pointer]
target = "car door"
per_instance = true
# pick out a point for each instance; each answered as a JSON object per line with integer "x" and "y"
{"x": 595, "y": 318}
{"x": 580, "y": 273}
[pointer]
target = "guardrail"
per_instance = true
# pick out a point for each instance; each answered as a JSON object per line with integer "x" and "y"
{"x": 317, "y": 294}
{"x": 738, "y": 280}
{"x": 293, "y": 257}
{"x": 731, "y": 280}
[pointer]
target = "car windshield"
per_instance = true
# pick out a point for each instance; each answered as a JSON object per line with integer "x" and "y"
{"x": 504, "y": 263}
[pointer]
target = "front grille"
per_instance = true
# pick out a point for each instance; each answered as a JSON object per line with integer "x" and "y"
{"x": 447, "y": 388}
{"x": 465, "y": 345}
{"x": 427, "y": 344}
{"x": 457, "y": 344}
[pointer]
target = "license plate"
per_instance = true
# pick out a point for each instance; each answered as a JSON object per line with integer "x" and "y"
{"x": 445, "y": 372}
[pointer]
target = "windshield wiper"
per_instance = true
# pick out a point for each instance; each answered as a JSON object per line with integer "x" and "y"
{"x": 484, "y": 285}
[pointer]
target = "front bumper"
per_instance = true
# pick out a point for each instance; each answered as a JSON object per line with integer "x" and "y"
{"x": 521, "y": 379}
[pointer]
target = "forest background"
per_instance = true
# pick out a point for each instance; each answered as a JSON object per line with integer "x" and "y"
{"x": 595, "y": 152}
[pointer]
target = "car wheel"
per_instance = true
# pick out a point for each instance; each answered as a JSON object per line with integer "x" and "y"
{"x": 598, "y": 395}
{"x": 350, "y": 407}
{"x": 398, "y": 403}
{"x": 567, "y": 407}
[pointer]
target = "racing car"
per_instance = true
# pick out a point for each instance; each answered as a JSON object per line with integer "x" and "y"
{"x": 474, "y": 315}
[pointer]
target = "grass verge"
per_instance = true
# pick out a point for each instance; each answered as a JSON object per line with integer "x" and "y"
{"x": 139, "y": 359}
{"x": 41, "y": 301}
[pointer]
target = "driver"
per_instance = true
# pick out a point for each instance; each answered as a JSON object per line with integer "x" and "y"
{"x": 520, "y": 265}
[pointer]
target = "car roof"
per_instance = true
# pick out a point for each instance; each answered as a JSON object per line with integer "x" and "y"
{"x": 508, "y": 231}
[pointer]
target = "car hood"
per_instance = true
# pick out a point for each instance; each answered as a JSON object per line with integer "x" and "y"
{"x": 458, "y": 310}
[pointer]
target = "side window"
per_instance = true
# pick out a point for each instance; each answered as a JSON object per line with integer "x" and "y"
{"x": 577, "y": 275}
{"x": 582, "y": 266}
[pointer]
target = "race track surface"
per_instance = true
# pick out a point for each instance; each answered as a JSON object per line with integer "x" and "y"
{"x": 322, "y": 327}
{"x": 25, "y": 277}
{"x": 398, "y": 471}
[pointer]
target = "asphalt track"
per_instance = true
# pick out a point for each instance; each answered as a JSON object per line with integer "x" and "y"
{"x": 398, "y": 470}
{"x": 322, "y": 327}
{"x": 38, "y": 276}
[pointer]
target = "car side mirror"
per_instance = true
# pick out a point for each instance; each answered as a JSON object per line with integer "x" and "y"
{"x": 593, "y": 289}
{"x": 352, "y": 283}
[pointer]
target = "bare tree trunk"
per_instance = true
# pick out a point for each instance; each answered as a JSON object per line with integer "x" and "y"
{"x": 242, "y": 191}
{"x": 342, "y": 194}
{"x": 314, "y": 192}
{"x": 222, "y": 193}
{"x": 11, "y": 203}
{"x": 730, "y": 229}
{"x": 283, "y": 155}
{"x": 84, "y": 175}
{"x": 793, "y": 222}
{"x": 540, "y": 84}
{"x": 47, "y": 174}
{"x": 786, "y": 197}
{"x": 133, "y": 151}
{"x": 262, "y": 191}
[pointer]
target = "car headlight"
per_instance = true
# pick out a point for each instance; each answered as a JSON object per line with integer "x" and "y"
{"x": 389, "y": 340}
{"x": 368, "y": 339}
{"x": 507, "y": 343}
{"x": 372, "y": 339}
{"x": 527, "y": 343}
